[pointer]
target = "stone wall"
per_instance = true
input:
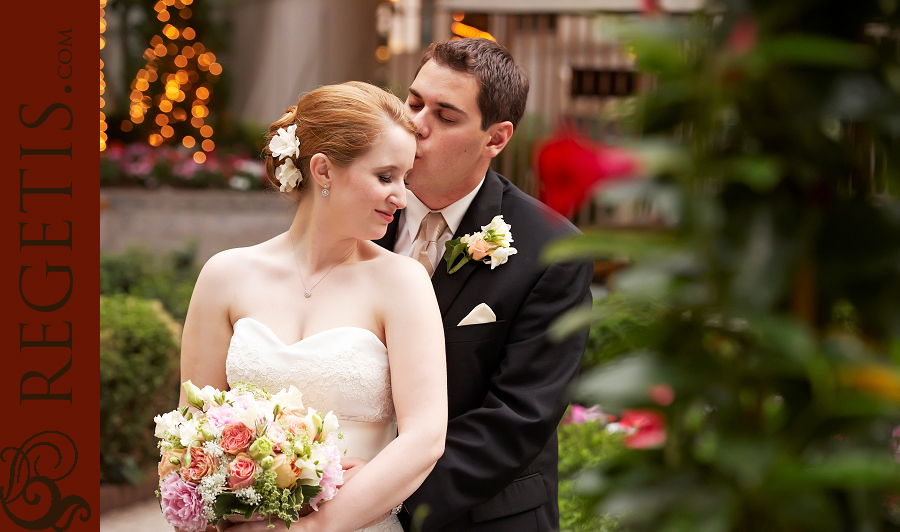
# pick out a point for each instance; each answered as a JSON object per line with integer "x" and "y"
{"x": 168, "y": 219}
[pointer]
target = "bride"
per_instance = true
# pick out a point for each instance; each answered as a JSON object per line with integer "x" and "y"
{"x": 356, "y": 328}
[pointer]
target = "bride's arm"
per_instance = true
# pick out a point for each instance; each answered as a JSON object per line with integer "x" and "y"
{"x": 207, "y": 326}
{"x": 415, "y": 338}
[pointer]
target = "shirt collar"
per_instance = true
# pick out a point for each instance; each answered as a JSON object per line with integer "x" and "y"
{"x": 453, "y": 214}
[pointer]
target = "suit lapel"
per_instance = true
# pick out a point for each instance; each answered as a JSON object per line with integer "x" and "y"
{"x": 484, "y": 207}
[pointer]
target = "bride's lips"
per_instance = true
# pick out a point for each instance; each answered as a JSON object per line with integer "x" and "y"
{"x": 388, "y": 217}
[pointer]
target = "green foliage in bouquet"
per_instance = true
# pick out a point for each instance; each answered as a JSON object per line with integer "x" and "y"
{"x": 135, "y": 271}
{"x": 777, "y": 331}
{"x": 139, "y": 344}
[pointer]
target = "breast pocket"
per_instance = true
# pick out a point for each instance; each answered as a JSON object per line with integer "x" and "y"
{"x": 473, "y": 333}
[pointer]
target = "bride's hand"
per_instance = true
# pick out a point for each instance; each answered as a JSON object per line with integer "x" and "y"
{"x": 351, "y": 466}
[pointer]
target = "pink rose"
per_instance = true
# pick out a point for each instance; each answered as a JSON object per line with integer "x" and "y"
{"x": 165, "y": 462}
{"x": 479, "y": 249}
{"x": 236, "y": 438}
{"x": 181, "y": 504}
{"x": 276, "y": 435}
{"x": 201, "y": 465}
{"x": 241, "y": 471}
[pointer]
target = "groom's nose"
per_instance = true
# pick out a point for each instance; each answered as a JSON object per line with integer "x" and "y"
{"x": 421, "y": 124}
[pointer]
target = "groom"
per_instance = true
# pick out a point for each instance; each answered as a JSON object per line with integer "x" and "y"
{"x": 506, "y": 380}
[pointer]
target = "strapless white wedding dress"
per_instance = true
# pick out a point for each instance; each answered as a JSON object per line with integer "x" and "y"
{"x": 342, "y": 370}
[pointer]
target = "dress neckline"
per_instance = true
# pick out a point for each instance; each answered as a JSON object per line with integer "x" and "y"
{"x": 271, "y": 333}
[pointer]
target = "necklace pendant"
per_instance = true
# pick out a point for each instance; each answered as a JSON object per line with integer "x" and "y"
{"x": 307, "y": 293}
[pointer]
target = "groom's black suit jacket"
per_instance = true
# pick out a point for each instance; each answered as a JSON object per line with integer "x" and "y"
{"x": 506, "y": 381}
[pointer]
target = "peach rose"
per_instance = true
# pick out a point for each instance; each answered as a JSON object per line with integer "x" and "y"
{"x": 241, "y": 471}
{"x": 201, "y": 465}
{"x": 165, "y": 462}
{"x": 479, "y": 249}
{"x": 286, "y": 477}
{"x": 293, "y": 422}
{"x": 236, "y": 438}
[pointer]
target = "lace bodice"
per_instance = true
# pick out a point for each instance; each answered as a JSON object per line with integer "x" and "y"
{"x": 343, "y": 370}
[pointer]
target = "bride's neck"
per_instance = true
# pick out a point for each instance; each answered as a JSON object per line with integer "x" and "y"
{"x": 317, "y": 243}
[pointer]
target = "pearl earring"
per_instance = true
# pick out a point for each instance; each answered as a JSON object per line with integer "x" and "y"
{"x": 325, "y": 191}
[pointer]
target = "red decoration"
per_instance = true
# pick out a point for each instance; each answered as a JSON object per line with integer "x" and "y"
{"x": 569, "y": 165}
{"x": 649, "y": 428}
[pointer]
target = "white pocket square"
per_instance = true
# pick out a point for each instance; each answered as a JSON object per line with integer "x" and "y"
{"x": 480, "y": 314}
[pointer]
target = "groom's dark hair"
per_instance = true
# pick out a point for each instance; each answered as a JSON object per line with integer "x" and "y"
{"x": 503, "y": 85}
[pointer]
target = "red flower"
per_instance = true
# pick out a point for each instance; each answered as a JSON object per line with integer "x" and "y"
{"x": 569, "y": 165}
{"x": 743, "y": 35}
{"x": 649, "y": 428}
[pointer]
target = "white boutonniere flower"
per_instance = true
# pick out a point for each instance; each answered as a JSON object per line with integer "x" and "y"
{"x": 490, "y": 245}
{"x": 285, "y": 143}
{"x": 288, "y": 175}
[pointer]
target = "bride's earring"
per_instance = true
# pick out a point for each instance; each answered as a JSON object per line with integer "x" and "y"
{"x": 325, "y": 191}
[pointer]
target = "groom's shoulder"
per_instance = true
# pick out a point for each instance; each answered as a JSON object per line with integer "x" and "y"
{"x": 540, "y": 222}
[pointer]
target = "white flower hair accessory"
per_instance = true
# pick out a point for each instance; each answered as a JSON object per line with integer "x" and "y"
{"x": 288, "y": 176}
{"x": 285, "y": 143}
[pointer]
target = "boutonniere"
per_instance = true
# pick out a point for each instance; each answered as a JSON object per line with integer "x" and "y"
{"x": 490, "y": 245}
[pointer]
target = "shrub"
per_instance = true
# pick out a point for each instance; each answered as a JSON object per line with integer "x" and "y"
{"x": 139, "y": 374}
{"x": 137, "y": 272}
{"x": 581, "y": 448}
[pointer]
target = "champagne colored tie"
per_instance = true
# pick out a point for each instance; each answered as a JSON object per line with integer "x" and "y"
{"x": 426, "y": 240}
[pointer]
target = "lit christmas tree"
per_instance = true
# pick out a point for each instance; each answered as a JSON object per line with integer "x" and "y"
{"x": 171, "y": 93}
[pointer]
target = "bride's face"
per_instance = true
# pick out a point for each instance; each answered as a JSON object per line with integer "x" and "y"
{"x": 369, "y": 191}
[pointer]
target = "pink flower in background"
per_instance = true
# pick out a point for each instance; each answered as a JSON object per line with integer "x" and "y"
{"x": 647, "y": 428}
{"x": 332, "y": 473}
{"x": 181, "y": 505}
{"x": 743, "y": 35}
{"x": 581, "y": 414}
{"x": 569, "y": 165}
{"x": 896, "y": 443}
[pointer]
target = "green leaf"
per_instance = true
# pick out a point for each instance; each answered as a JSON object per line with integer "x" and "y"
{"x": 455, "y": 250}
{"x": 809, "y": 50}
{"x": 606, "y": 244}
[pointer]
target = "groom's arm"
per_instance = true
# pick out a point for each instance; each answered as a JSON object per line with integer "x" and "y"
{"x": 489, "y": 447}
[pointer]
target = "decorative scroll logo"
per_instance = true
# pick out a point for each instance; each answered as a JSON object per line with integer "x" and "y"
{"x": 32, "y": 499}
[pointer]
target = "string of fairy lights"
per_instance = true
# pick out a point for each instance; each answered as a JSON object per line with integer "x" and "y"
{"x": 103, "y": 126}
{"x": 187, "y": 71}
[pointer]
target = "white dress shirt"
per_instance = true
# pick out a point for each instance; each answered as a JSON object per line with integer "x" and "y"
{"x": 415, "y": 211}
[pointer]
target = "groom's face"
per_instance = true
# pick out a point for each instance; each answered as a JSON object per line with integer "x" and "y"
{"x": 450, "y": 154}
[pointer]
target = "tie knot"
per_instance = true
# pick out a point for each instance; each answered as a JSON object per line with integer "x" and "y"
{"x": 432, "y": 226}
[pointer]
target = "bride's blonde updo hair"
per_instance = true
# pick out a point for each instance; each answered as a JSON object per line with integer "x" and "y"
{"x": 340, "y": 121}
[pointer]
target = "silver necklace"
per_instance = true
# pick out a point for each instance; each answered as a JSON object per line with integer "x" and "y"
{"x": 307, "y": 292}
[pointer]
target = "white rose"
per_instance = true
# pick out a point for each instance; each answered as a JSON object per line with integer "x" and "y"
{"x": 285, "y": 143}
{"x": 188, "y": 431}
{"x": 501, "y": 230}
{"x": 290, "y": 399}
{"x": 500, "y": 255}
{"x": 288, "y": 176}
{"x": 168, "y": 424}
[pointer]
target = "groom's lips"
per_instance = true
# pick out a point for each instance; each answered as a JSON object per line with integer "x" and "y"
{"x": 388, "y": 217}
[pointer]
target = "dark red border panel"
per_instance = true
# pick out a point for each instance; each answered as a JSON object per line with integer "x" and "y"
{"x": 49, "y": 264}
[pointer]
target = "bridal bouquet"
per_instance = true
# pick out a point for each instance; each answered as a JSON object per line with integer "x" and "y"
{"x": 246, "y": 453}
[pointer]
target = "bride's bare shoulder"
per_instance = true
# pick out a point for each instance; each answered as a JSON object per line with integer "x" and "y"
{"x": 391, "y": 264}
{"x": 239, "y": 261}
